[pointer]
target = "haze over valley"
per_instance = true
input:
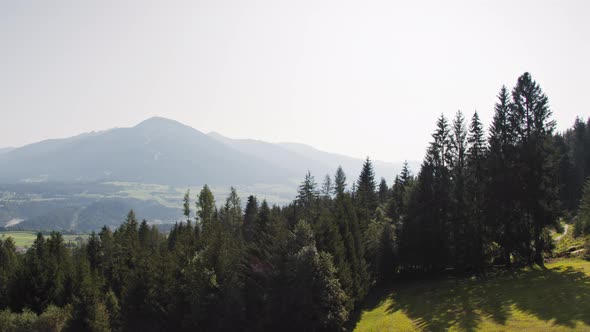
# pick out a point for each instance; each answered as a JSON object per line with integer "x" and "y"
{"x": 84, "y": 182}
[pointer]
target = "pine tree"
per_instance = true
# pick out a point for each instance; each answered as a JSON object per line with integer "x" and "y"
{"x": 94, "y": 252}
{"x": 339, "y": 181}
{"x": 250, "y": 218}
{"x": 501, "y": 203}
{"x": 186, "y": 206}
{"x": 327, "y": 187}
{"x": 90, "y": 313}
{"x": 458, "y": 165}
{"x": 329, "y": 239}
{"x": 438, "y": 161}
{"x": 366, "y": 196}
{"x": 383, "y": 192}
{"x": 8, "y": 269}
{"x": 143, "y": 234}
{"x": 205, "y": 207}
{"x": 405, "y": 175}
{"x": 313, "y": 298}
{"x": 307, "y": 197}
{"x": 477, "y": 233}
{"x": 582, "y": 224}
{"x": 233, "y": 210}
{"x": 397, "y": 205}
{"x": 350, "y": 231}
{"x": 534, "y": 129}
{"x": 380, "y": 247}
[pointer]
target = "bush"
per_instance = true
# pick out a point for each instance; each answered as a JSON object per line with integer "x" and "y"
{"x": 53, "y": 319}
{"x": 15, "y": 322}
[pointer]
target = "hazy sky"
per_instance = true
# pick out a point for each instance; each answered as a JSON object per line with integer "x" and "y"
{"x": 354, "y": 77}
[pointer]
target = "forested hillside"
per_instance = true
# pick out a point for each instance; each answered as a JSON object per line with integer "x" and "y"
{"x": 482, "y": 199}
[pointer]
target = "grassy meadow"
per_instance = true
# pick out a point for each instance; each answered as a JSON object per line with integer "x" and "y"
{"x": 24, "y": 239}
{"x": 555, "y": 299}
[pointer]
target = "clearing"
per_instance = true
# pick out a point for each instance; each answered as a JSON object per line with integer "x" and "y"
{"x": 556, "y": 299}
{"x": 24, "y": 239}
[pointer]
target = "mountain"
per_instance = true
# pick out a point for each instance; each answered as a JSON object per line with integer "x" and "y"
{"x": 163, "y": 151}
{"x": 157, "y": 150}
{"x": 4, "y": 150}
{"x": 83, "y": 182}
{"x": 299, "y": 158}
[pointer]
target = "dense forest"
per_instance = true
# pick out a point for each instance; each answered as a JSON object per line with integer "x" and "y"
{"x": 480, "y": 200}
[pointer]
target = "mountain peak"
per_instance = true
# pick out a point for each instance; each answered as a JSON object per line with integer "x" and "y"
{"x": 157, "y": 121}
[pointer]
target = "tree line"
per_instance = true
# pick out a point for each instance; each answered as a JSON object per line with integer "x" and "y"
{"x": 479, "y": 200}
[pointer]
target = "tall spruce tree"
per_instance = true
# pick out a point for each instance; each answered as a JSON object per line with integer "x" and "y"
{"x": 327, "y": 187}
{"x": 383, "y": 192}
{"x": 534, "y": 129}
{"x": 307, "y": 196}
{"x": 439, "y": 158}
{"x": 458, "y": 169}
{"x": 186, "y": 206}
{"x": 232, "y": 211}
{"x": 366, "y": 197}
{"x": 250, "y": 218}
{"x": 339, "y": 181}
{"x": 501, "y": 204}
{"x": 477, "y": 231}
{"x": 205, "y": 207}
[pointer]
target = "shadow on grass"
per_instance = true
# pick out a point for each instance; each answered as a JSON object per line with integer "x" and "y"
{"x": 561, "y": 294}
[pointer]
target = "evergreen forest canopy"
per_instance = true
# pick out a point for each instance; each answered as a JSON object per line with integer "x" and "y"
{"x": 479, "y": 200}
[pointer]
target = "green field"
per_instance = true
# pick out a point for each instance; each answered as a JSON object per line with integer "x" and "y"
{"x": 25, "y": 239}
{"x": 556, "y": 299}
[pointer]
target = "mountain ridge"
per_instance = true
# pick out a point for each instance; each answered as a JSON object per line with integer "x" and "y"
{"x": 154, "y": 150}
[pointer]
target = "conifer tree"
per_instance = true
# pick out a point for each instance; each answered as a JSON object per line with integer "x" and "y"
{"x": 327, "y": 187}
{"x": 366, "y": 196}
{"x": 397, "y": 206}
{"x": 350, "y": 230}
{"x": 250, "y": 218}
{"x": 534, "y": 129}
{"x": 314, "y": 299}
{"x": 582, "y": 224}
{"x": 8, "y": 269}
{"x": 458, "y": 165}
{"x": 90, "y": 313}
{"x": 186, "y": 206}
{"x": 93, "y": 251}
{"x": 405, "y": 175}
{"x": 438, "y": 161}
{"x": 477, "y": 231}
{"x": 143, "y": 234}
{"x": 501, "y": 207}
{"x": 383, "y": 192}
{"x": 307, "y": 196}
{"x": 205, "y": 207}
{"x": 233, "y": 210}
{"x": 339, "y": 181}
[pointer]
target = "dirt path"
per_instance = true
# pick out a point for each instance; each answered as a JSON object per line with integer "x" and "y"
{"x": 565, "y": 228}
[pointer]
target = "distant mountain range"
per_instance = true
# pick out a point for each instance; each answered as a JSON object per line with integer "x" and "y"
{"x": 163, "y": 151}
{"x": 83, "y": 182}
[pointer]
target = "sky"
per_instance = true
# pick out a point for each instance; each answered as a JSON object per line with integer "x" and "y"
{"x": 361, "y": 78}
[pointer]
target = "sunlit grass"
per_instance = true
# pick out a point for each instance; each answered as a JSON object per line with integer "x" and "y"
{"x": 556, "y": 299}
